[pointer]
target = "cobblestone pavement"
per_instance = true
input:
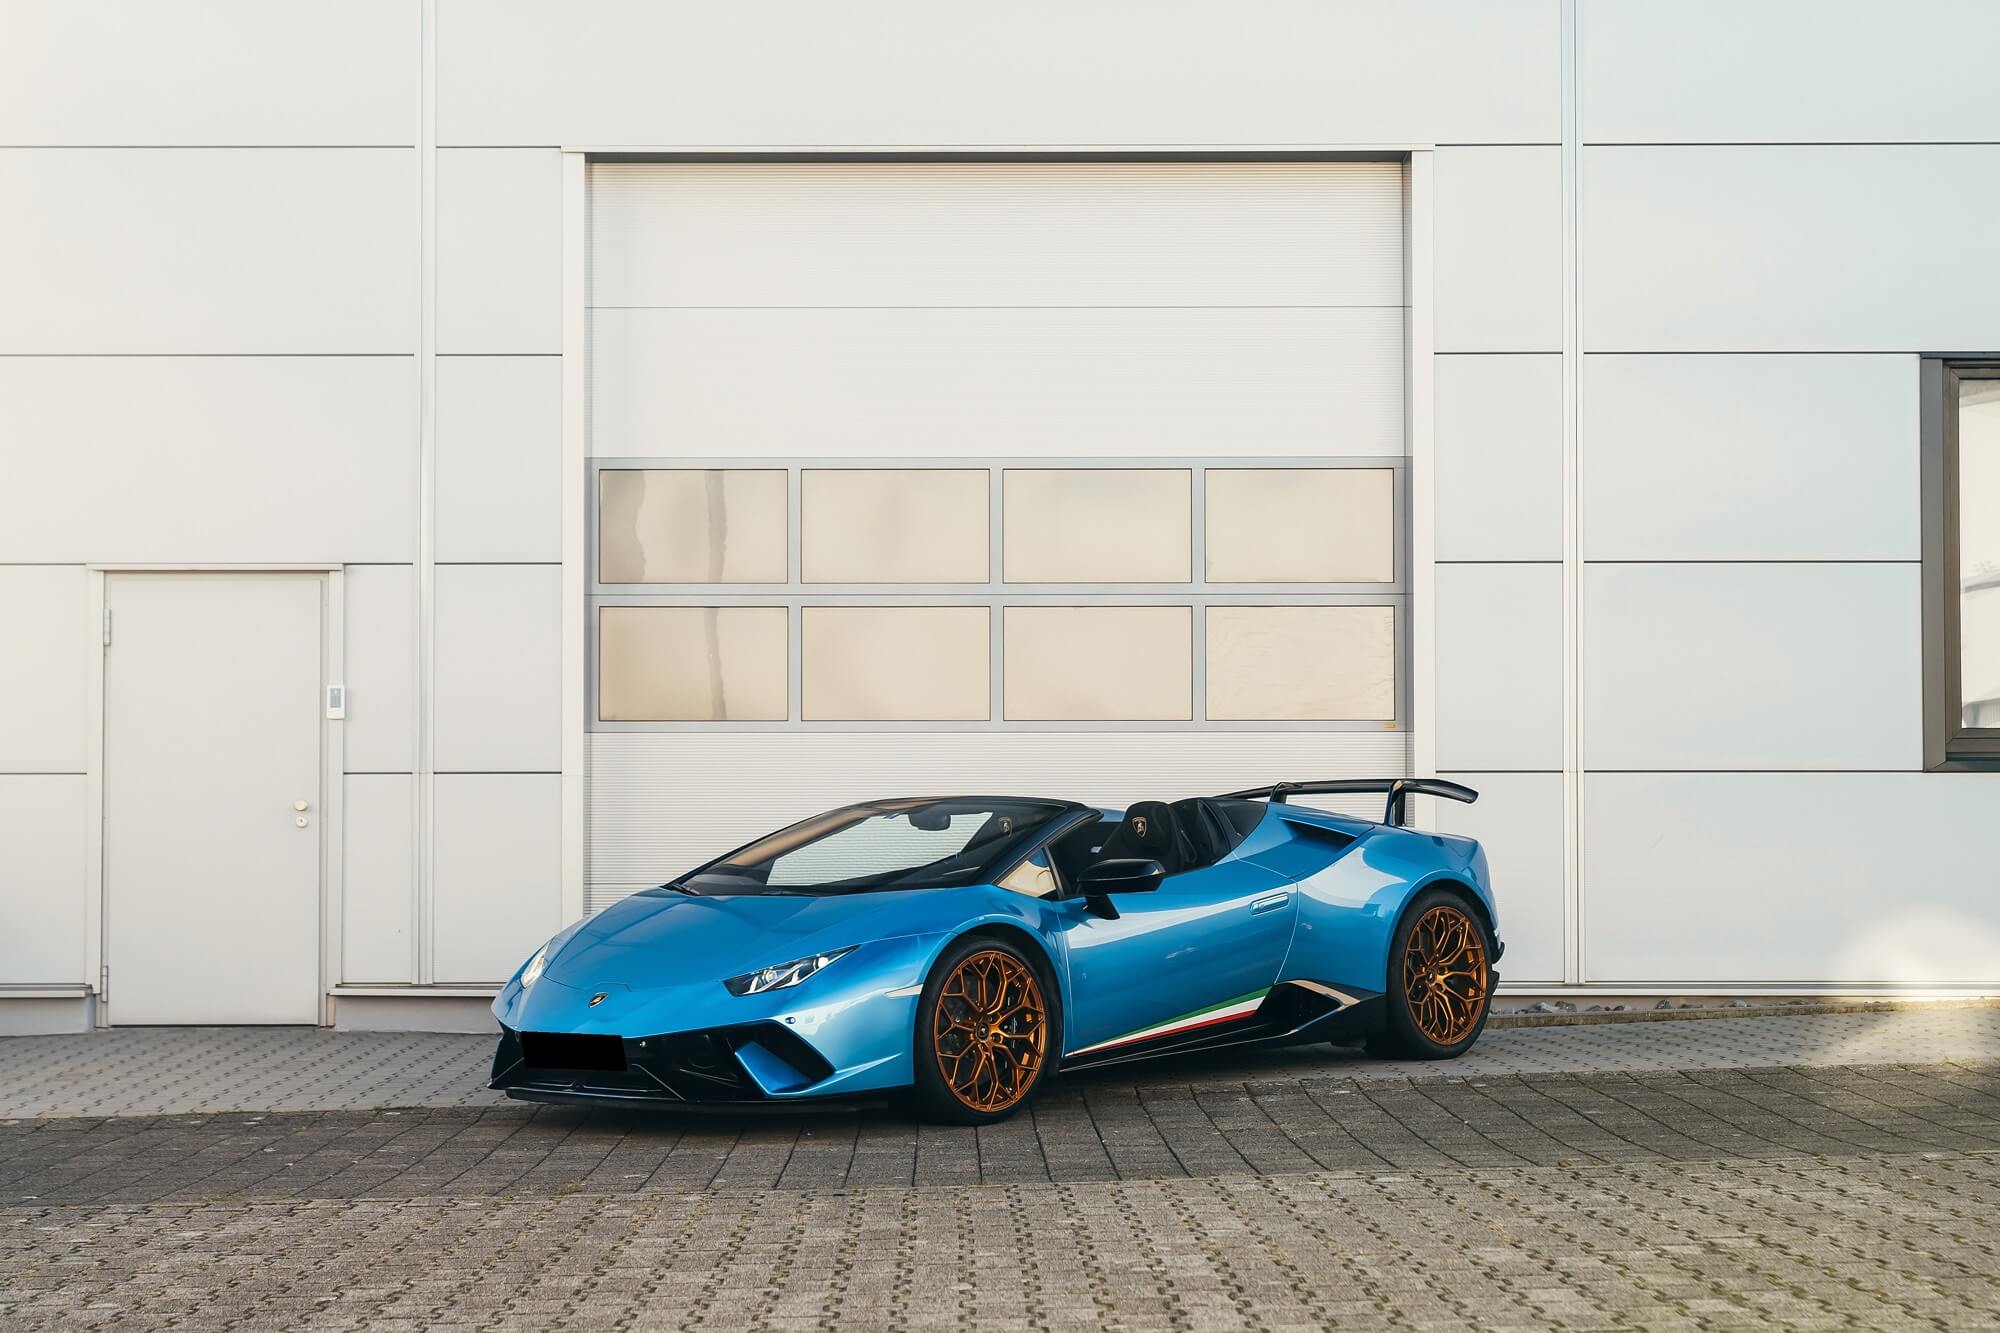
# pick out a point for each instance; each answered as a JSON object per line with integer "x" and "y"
{"x": 169, "y": 1071}
{"x": 1867, "y": 1241}
{"x": 1264, "y": 1193}
{"x": 1073, "y": 1133}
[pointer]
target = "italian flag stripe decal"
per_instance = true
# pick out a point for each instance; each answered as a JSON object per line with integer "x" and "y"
{"x": 1200, "y": 1018}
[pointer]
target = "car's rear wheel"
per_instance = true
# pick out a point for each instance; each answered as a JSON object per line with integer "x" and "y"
{"x": 987, "y": 1032}
{"x": 1440, "y": 980}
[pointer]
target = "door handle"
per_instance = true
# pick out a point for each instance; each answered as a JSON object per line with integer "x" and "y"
{"x": 1270, "y": 902}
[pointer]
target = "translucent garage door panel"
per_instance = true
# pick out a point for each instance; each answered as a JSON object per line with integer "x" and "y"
{"x": 1301, "y": 525}
{"x": 897, "y": 663}
{"x": 1098, "y": 663}
{"x": 893, "y": 525}
{"x": 692, "y": 664}
{"x": 1097, "y": 525}
{"x": 1301, "y": 663}
{"x": 688, "y": 525}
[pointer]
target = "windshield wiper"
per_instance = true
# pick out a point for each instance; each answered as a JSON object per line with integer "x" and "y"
{"x": 679, "y": 887}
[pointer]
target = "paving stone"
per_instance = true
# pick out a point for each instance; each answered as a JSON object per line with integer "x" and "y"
{"x": 1815, "y": 1172}
{"x": 176, "y": 1071}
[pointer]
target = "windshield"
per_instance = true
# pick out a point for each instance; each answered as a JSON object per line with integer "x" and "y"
{"x": 883, "y": 845}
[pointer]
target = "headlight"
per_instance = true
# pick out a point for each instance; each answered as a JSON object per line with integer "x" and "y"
{"x": 533, "y": 971}
{"x": 784, "y": 974}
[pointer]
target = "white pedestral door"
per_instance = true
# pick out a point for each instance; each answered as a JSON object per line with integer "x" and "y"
{"x": 211, "y": 744}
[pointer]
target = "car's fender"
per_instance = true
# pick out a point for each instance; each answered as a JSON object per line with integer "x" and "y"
{"x": 1348, "y": 910}
{"x": 865, "y": 1019}
{"x": 1038, "y": 919}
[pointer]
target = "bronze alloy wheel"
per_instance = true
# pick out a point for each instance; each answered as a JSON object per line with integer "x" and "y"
{"x": 1445, "y": 974}
{"x": 990, "y": 1030}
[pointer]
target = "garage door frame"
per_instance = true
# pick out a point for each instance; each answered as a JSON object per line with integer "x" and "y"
{"x": 578, "y": 475}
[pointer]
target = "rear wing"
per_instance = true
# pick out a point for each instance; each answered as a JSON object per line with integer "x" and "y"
{"x": 1399, "y": 790}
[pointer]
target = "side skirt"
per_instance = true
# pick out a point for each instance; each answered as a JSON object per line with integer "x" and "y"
{"x": 1290, "y": 1013}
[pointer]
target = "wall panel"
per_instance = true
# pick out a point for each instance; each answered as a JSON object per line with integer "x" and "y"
{"x": 208, "y": 459}
{"x": 1774, "y": 878}
{"x": 1753, "y": 666}
{"x": 499, "y": 250}
{"x": 125, "y": 72}
{"x": 1788, "y": 71}
{"x": 1497, "y": 250}
{"x": 381, "y": 669}
{"x": 497, "y": 869}
{"x": 378, "y": 893}
{"x": 497, "y": 691}
{"x": 42, "y": 864}
{"x": 47, "y": 636}
{"x": 1499, "y": 666}
{"x": 209, "y": 250}
{"x": 1518, "y": 819}
{"x": 1499, "y": 469}
{"x": 1790, "y": 248}
{"x": 1750, "y": 458}
{"x": 906, "y": 72}
{"x": 499, "y": 458}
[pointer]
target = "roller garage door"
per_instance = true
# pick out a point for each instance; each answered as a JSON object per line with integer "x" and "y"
{"x": 1085, "y": 478}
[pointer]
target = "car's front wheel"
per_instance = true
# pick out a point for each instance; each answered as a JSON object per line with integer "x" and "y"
{"x": 1440, "y": 980}
{"x": 987, "y": 1032}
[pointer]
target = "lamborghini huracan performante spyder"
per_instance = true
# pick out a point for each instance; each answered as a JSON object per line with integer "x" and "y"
{"x": 966, "y": 948}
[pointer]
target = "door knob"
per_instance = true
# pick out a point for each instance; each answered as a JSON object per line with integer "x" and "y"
{"x": 299, "y": 806}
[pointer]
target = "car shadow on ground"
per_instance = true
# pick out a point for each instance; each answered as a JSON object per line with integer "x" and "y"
{"x": 894, "y": 1112}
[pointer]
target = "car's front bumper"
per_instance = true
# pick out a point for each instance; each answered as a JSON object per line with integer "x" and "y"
{"x": 854, "y": 1019}
{"x": 749, "y": 1063}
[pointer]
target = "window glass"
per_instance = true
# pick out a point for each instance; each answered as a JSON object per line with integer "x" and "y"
{"x": 1979, "y": 551}
{"x": 686, "y": 525}
{"x": 1301, "y": 525}
{"x": 883, "y": 845}
{"x": 897, "y": 663}
{"x": 1033, "y": 877}
{"x": 906, "y": 525}
{"x": 1301, "y": 663}
{"x": 1097, "y": 525}
{"x": 880, "y": 844}
{"x": 693, "y": 664}
{"x": 1097, "y": 663}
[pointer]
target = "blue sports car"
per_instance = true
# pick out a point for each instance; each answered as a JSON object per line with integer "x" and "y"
{"x": 965, "y": 948}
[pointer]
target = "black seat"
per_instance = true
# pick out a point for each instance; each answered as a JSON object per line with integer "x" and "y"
{"x": 1207, "y": 831}
{"x": 1152, "y": 831}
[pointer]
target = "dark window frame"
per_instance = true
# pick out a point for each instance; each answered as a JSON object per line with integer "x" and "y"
{"x": 1949, "y": 745}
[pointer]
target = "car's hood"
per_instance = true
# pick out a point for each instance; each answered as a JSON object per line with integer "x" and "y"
{"x": 661, "y": 938}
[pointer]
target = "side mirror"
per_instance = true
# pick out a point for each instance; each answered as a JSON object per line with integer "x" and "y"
{"x": 1124, "y": 874}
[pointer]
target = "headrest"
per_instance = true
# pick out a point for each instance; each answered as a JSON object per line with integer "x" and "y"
{"x": 1149, "y": 830}
{"x": 1151, "y": 824}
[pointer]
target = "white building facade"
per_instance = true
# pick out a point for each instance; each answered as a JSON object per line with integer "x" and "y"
{"x": 462, "y": 461}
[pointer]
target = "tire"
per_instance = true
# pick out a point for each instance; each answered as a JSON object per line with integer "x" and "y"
{"x": 971, "y": 1070}
{"x": 1440, "y": 980}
